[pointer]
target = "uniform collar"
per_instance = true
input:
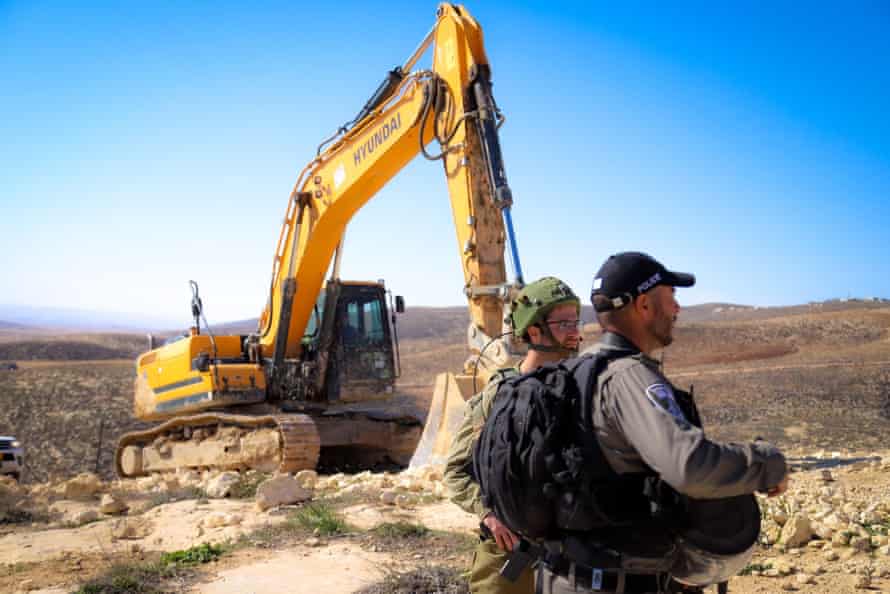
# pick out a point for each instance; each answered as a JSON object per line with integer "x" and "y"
{"x": 617, "y": 342}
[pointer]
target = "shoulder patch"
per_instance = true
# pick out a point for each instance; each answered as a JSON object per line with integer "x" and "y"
{"x": 662, "y": 396}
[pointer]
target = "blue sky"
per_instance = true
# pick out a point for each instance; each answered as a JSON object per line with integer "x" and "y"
{"x": 146, "y": 144}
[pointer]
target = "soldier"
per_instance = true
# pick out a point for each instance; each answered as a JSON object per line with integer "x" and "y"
{"x": 646, "y": 426}
{"x": 545, "y": 314}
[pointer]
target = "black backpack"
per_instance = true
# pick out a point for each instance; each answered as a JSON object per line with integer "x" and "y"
{"x": 537, "y": 460}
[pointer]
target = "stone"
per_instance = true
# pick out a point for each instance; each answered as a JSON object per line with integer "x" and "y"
{"x": 862, "y": 582}
{"x": 220, "y": 519}
{"x": 130, "y": 528}
{"x": 403, "y": 500}
{"x": 83, "y": 486}
{"x": 841, "y": 538}
{"x": 220, "y": 485}
{"x": 796, "y": 532}
{"x": 307, "y": 478}
{"x": 831, "y": 555}
{"x": 111, "y": 505}
{"x": 281, "y": 490}
{"x": 83, "y": 517}
{"x": 312, "y": 542}
{"x": 389, "y": 497}
{"x": 803, "y": 578}
{"x": 780, "y": 517}
{"x": 860, "y": 543}
{"x": 822, "y": 530}
{"x": 784, "y": 568}
{"x": 826, "y": 476}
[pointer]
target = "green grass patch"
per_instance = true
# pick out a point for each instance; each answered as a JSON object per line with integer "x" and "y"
{"x": 400, "y": 530}
{"x": 131, "y": 578}
{"x": 752, "y": 567}
{"x": 150, "y": 577}
{"x": 320, "y": 519}
{"x": 203, "y": 553}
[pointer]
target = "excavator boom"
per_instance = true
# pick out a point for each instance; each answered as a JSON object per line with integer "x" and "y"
{"x": 282, "y": 380}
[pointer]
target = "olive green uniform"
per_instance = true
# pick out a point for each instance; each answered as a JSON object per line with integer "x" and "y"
{"x": 488, "y": 558}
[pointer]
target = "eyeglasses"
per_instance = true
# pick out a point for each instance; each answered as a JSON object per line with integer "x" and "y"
{"x": 567, "y": 325}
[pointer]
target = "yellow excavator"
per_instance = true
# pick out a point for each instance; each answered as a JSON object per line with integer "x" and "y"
{"x": 319, "y": 374}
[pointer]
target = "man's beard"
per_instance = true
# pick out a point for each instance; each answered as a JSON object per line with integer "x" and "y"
{"x": 662, "y": 327}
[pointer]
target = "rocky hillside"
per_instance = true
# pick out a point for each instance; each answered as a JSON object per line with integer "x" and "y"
{"x": 801, "y": 376}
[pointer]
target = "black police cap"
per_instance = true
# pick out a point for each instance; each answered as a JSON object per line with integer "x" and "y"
{"x": 627, "y": 275}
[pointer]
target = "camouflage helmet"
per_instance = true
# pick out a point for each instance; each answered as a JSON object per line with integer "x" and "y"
{"x": 536, "y": 300}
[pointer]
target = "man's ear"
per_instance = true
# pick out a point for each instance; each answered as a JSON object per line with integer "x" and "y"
{"x": 534, "y": 334}
{"x": 642, "y": 304}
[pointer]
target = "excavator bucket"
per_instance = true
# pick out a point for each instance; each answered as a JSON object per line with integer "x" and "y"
{"x": 443, "y": 420}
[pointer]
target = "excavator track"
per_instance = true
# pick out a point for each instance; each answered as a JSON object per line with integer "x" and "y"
{"x": 297, "y": 446}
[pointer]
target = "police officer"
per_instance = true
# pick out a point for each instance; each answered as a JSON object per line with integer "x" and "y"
{"x": 545, "y": 315}
{"x": 645, "y": 426}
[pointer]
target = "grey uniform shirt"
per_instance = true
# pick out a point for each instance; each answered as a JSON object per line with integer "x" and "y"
{"x": 640, "y": 427}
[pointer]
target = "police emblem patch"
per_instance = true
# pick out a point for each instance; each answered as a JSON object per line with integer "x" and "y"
{"x": 662, "y": 396}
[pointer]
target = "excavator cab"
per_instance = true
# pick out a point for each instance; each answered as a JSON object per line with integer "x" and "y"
{"x": 352, "y": 334}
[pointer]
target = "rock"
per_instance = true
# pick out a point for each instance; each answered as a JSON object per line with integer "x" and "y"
{"x": 826, "y": 476}
{"x": 83, "y": 486}
{"x": 796, "y": 532}
{"x": 130, "y": 528}
{"x": 860, "y": 543}
{"x": 822, "y": 530}
{"x": 841, "y": 538}
{"x": 111, "y": 505}
{"x": 307, "y": 478}
{"x": 220, "y": 485}
{"x": 847, "y": 554}
{"x": 83, "y": 517}
{"x": 867, "y": 518}
{"x": 220, "y": 519}
{"x": 388, "y": 497}
{"x": 784, "y": 568}
{"x": 281, "y": 490}
{"x": 403, "y": 500}
{"x": 803, "y": 578}
{"x": 312, "y": 542}
{"x": 831, "y": 555}
{"x": 862, "y": 582}
{"x": 788, "y": 586}
{"x": 780, "y": 517}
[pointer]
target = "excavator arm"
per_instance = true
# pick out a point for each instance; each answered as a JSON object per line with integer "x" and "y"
{"x": 276, "y": 378}
{"x": 453, "y": 104}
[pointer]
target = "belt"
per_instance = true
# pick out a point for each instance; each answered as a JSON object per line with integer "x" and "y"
{"x": 609, "y": 579}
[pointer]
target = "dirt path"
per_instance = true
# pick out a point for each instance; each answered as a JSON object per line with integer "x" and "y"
{"x": 339, "y": 568}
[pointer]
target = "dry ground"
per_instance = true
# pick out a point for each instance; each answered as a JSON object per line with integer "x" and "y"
{"x": 808, "y": 378}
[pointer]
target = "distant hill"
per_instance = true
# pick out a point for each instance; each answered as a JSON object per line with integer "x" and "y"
{"x": 23, "y": 316}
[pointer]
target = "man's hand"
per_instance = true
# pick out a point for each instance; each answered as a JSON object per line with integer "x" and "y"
{"x": 778, "y": 489}
{"x": 503, "y": 536}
